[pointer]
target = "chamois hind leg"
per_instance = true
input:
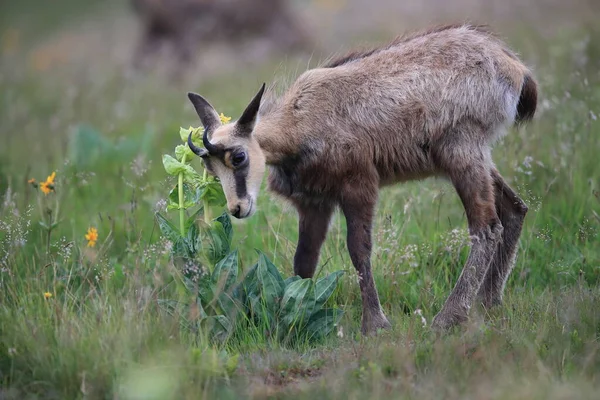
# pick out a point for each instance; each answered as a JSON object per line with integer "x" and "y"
{"x": 470, "y": 173}
{"x": 511, "y": 210}
{"x": 358, "y": 206}
{"x": 312, "y": 230}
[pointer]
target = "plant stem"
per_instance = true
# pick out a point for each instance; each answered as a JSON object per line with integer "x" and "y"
{"x": 181, "y": 200}
{"x": 205, "y": 203}
{"x": 48, "y": 235}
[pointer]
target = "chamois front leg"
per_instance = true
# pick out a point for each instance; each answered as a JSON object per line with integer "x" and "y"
{"x": 358, "y": 210}
{"x": 312, "y": 230}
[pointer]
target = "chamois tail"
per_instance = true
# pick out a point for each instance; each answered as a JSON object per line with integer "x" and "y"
{"x": 527, "y": 100}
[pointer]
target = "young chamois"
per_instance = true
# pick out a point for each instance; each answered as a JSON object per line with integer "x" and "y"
{"x": 430, "y": 104}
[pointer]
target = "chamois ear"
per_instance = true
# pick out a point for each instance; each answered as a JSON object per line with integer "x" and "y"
{"x": 245, "y": 124}
{"x": 208, "y": 116}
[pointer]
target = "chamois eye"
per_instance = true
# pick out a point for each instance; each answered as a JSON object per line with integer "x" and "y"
{"x": 238, "y": 159}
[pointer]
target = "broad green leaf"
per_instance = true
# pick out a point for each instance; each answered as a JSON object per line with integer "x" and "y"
{"x": 212, "y": 193}
{"x": 216, "y": 242}
{"x": 172, "y": 166}
{"x": 168, "y": 230}
{"x": 228, "y": 305}
{"x": 264, "y": 315}
{"x": 250, "y": 281}
{"x": 191, "y": 197}
{"x": 181, "y": 249}
{"x": 188, "y": 246}
{"x": 249, "y": 287}
{"x": 291, "y": 280}
{"x": 171, "y": 205}
{"x": 183, "y": 150}
{"x": 218, "y": 326}
{"x": 196, "y": 310}
{"x": 192, "y": 218}
{"x": 206, "y": 291}
{"x": 298, "y": 303}
{"x": 192, "y": 241}
{"x": 270, "y": 281}
{"x": 323, "y": 322}
{"x": 225, "y": 220}
{"x": 184, "y": 133}
{"x": 190, "y": 174}
{"x": 270, "y": 266}
{"x": 226, "y": 271}
{"x": 325, "y": 286}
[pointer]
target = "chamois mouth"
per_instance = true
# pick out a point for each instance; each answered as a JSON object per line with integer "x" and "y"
{"x": 249, "y": 211}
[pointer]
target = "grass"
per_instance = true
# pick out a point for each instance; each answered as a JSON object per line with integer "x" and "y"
{"x": 103, "y": 335}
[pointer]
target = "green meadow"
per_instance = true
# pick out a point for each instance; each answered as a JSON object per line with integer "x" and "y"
{"x": 87, "y": 322}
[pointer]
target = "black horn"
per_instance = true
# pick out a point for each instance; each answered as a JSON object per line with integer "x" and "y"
{"x": 199, "y": 151}
{"x": 212, "y": 149}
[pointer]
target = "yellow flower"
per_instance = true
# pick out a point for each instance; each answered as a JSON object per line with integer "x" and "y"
{"x": 92, "y": 237}
{"x": 47, "y": 295}
{"x": 224, "y": 119}
{"x": 48, "y": 185}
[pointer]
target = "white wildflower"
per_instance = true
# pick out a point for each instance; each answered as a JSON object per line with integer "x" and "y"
{"x": 418, "y": 312}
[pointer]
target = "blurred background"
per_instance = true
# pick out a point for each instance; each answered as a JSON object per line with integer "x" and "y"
{"x": 216, "y": 36}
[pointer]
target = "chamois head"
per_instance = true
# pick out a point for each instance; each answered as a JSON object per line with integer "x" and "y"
{"x": 232, "y": 153}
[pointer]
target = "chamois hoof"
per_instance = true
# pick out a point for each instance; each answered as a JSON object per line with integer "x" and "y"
{"x": 445, "y": 321}
{"x": 488, "y": 301}
{"x": 371, "y": 325}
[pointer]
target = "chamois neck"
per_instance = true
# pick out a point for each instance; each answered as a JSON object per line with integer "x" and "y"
{"x": 274, "y": 143}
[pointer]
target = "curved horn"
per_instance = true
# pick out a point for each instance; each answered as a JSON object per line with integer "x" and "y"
{"x": 199, "y": 151}
{"x": 212, "y": 149}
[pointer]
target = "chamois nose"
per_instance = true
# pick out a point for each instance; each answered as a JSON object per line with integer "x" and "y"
{"x": 236, "y": 211}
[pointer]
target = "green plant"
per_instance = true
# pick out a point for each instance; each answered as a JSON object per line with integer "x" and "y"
{"x": 190, "y": 190}
{"x": 214, "y": 300}
{"x": 289, "y": 309}
{"x": 49, "y": 214}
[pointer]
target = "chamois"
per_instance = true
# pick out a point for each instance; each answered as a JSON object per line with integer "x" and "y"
{"x": 428, "y": 104}
{"x": 186, "y": 23}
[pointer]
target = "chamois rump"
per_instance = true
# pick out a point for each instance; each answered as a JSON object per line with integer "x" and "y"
{"x": 428, "y": 104}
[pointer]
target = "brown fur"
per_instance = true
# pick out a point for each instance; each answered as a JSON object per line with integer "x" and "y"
{"x": 430, "y": 104}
